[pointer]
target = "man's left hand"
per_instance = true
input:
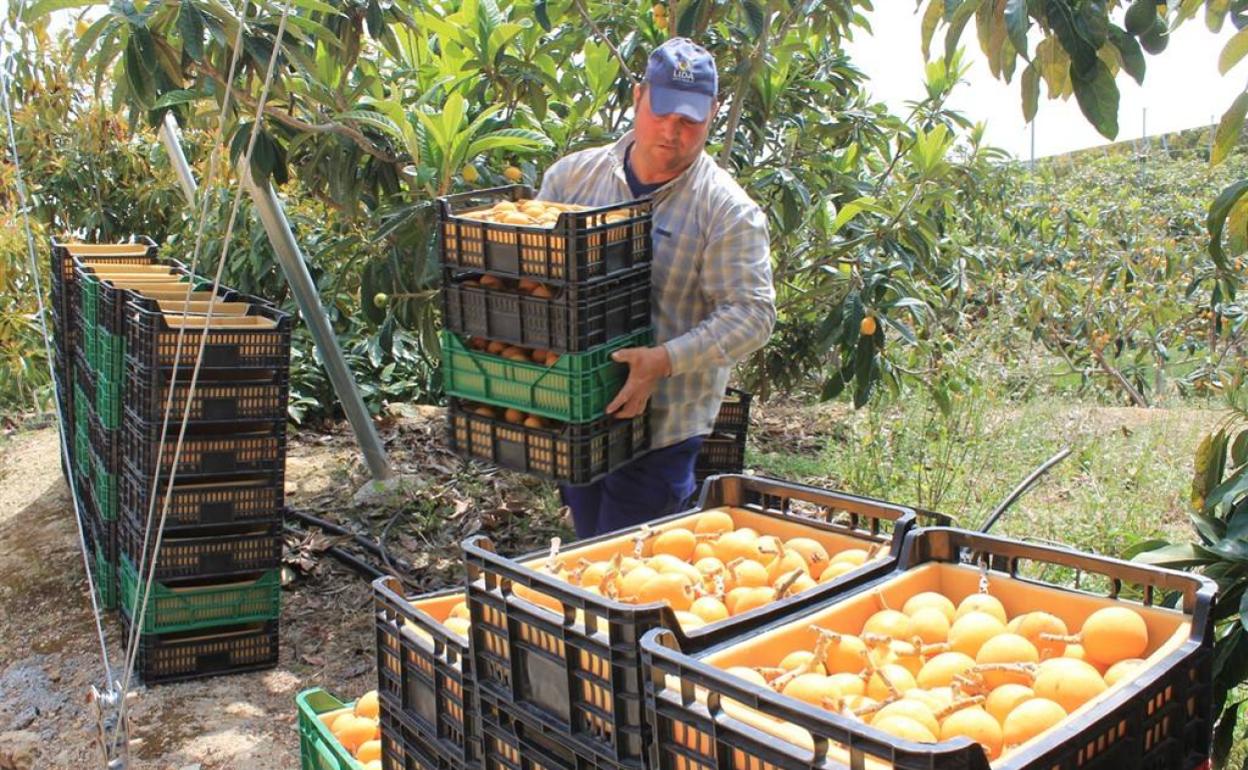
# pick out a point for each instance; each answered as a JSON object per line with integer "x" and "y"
{"x": 646, "y": 366}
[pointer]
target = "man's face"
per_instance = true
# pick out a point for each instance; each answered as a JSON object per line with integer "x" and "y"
{"x": 665, "y": 144}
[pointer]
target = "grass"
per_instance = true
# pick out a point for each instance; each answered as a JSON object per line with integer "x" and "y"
{"x": 1126, "y": 478}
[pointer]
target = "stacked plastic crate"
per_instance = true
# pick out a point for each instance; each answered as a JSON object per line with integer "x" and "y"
{"x": 77, "y": 385}
{"x": 207, "y": 502}
{"x": 724, "y": 450}
{"x": 534, "y": 305}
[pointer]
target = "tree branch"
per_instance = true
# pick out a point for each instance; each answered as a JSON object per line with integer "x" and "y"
{"x": 580, "y": 7}
{"x": 1136, "y": 397}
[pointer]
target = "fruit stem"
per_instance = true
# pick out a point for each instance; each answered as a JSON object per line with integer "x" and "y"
{"x": 1075, "y": 639}
{"x": 784, "y": 587}
{"x": 958, "y": 705}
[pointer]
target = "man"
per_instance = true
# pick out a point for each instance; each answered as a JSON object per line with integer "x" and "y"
{"x": 712, "y": 299}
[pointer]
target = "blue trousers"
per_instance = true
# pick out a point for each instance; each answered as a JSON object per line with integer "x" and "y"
{"x": 652, "y": 486}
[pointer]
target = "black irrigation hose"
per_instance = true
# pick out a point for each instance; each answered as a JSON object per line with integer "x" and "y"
{"x": 363, "y": 568}
{"x": 369, "y": 545}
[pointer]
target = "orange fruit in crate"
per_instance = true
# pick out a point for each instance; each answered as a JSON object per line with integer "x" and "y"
{"x": 854, "y": 556}
{"x": 366, "y": 706}
{"x": 913, "y": 709}
{"x": 459, "y": 626}
{"x": 978, "y": 725}
{"x": 533, "y": 421}
{"x": 1005, "y": 649}
{"x": 845, "y": 655}
{"x": 940, "y": 670}
{"x": 810, "y": 688}
{"x": 514, "y": 416}
{"x": 368, "y": 751}
{"x": 835, "y": 570}
{"x": 748, "y": 574}
{"x": 374, "y": 764}
{"x": 737, "y": 544}
{"x": 352, "y": 731}
{"x": 932, "y": 600}
{"x": 930, "y": 625}
{"x": 1004, "y": 699}
{"x": 812, "y": 551}
{"x": 890, "y": 623}
{"x": 1068, "y": 683}
{"x": 1112, "y": 634}
{"x": 849, "y": 685}
{"x": 898, "y": 676}
{"x": 630, "y": 585}
{"x": 985, "y": 603}
{"x": 1121, "y": 670}
{"x": 674, "y": 588}
{"x": 1034, "y": 626}
{"x": 1029, "y": 719}
{"x": 713, "y": 521}
{"x": 709, "y": 608}
{"x": 460, "y": 610}
{"x": 494, "y": 348}
{"x": 969, "y": 632}
{"x": 785, "y": 564}
{"x": 904, "y": 728}
{"x": 678, "y": 542}
{"x": 799, "y": 658}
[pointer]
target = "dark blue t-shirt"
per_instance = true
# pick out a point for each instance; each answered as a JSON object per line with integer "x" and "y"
{"x": 635, "y": 185}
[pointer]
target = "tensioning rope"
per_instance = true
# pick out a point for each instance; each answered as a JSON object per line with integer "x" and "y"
{"x": 24, "y": 202}
{"x": 245, "y": 168}
{"x": 201, "y": 219}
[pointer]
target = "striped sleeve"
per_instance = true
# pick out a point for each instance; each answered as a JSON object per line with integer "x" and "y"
{"x": 736, "y": 281}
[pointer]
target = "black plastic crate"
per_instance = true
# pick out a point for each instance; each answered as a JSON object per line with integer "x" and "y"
{"x": 141, "y": 251}
{"x": 582, "y": 245}
{"x": 1158, "y": 721}
{"x": 719, "y": 454}
{"x": 207, "y": 452}
{"x": 403, "y": 746}
{"x": 576, "y": 453}
{"x": 582, "y": 679}
{"x": 202, "y": 555}
{"x": 218, "y": 397}
{"x": 511, "y": 742}
{"x": 577, "y": 318}
{"x": 112, "y": 297}
{"x": 204, "y": 505}
{"x": 734, "y": 413}
{"x": 195, "y": 654}
{"x": 258, "y": 340}
{"x": 423, "y": 668}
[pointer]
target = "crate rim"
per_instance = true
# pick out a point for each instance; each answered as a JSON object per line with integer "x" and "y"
{"x": 384, "y": 586}
{"x": 479, "y": 549}
{"x": 445, "y": 203}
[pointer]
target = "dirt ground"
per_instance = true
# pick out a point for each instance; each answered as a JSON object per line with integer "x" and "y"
{"x": 50, "y": 654}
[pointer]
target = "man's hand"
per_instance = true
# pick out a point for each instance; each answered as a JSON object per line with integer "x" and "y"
{"x": 646, "y": 366}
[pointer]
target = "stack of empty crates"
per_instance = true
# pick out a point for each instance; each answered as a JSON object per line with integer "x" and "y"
{"x": 205, "y": 504}
{"x": 724, "y": 450}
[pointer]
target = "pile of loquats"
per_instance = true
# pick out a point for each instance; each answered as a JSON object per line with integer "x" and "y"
{"x": 358, "y": 730}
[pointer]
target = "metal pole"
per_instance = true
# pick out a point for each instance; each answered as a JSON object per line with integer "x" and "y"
{"x": 296, "y": 270}
{"x": 173, "y": 147}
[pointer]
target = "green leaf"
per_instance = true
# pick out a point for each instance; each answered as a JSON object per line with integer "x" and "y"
{"x": 1144, "y": 545}
{"x": 1132, "y": 57}
{"x": 1031, "y": 92}
{"x": 317, "y": 5}
{"x": 542, "y": 14}
{"x": 1216, "y": 219}
{"x": 1215, "y": 14}
{"x": 508, "y": 138}
{"x": 1239, "y": 448}
{"x": 1016, "y": 24}
{"x": 865, "y": 371}
{"x": 687, "y": 20}
{"x": 180, "y": 96}
{"x": 1229, "y": 492}
{"x": 1229, "y": 129}
{"x": 755, "y": 17}
{"x": 1233, "y": 52}
{"x": 1092, "y": 23}
{"x": 191, "y": 27}
{"x": 44, "y": 7}
{"x": 931, "y": 18}
{"x": 1224, "y": 733}
{"x": 375, "y": 120}
{"x": 961, "y": 17}
{"x": 1098, "y": 97}
{"x": 1179, "y": 556}
{"x": 1243, "y": 611}
{"x": 104, "y": 26}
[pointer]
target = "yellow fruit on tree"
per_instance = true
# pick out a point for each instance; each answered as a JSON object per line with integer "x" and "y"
{"x": 470, "y": 174}
{"x": 513, "y": 174}
{"x": 867, "y": 327}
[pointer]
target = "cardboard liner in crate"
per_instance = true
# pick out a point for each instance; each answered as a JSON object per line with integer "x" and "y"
{"x": 253, "y": 449}
{"x": 576, "y": 388}
{"x": 258, "y": 340}
{"x": 204, "y": 653}
{"x": 572, "y": 319}
{"x": 576, "y": 453}
{"x": 318, "y": 748}
{"x": 570, "y": 659}
{"x": 225, "y": 397}
{"x": 423, "y": 667}
{"x": 204, "y": 504}
{"x": 187, "y": 606}
{"x": 582, "y": 245}
{"x": 1157, "y": 717}
{"x": 256, "y": 548}
{"x": 141, "y": 252}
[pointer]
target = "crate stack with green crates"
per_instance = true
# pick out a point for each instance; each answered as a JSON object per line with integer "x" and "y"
{"x": 182, "y": 392}
{"x": 536, "y": 297}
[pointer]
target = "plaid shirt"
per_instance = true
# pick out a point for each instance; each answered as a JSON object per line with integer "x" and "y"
{"x": 712, "y": 299}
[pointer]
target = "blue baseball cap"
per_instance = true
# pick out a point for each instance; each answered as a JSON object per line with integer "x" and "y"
{"x": 682, "y": 79}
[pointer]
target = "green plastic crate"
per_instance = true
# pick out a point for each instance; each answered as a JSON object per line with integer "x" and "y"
{"x": 105, "y": 579}
{"x": 108, "y": 401}
{"x": 82, "y": 450}
{"x": 103, "y": 489}
{"x": 88, "y": 319}
{"x": 111, "y": 355}
{"x": 576, "y": 389}
{"x": 318, "y": 748}
{"x": 187, "y": 609}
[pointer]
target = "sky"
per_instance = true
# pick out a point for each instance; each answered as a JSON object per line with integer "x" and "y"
{"x": 1182, "y": 87}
